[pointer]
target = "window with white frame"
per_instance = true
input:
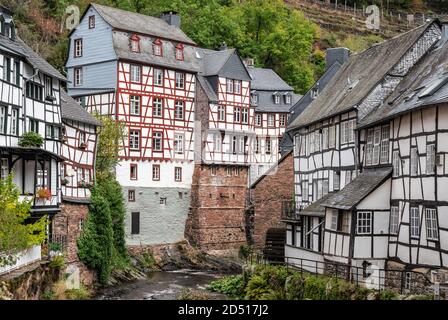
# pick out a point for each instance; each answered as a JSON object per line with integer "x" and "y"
{"x": 157, "y": 138}
{"x": 324, "y": 138}
{"x": 384, "y": 153}
{"x": 317, "y": 141}
{"x": 345, "y": 226}
{"x": 136, "y": 73}
{"x": 268, "y": 146}
{"x": 364, "y": 222}
{"x": 48, "y": 86}
{"x": 221, "y": 113}
{"x": 276, "y": 98}
{"x": 344, "y": 133}
{"x": 157, "y": 47}
{"x": 237, "y": 86}
{"x": 376, "y": 146}
{"x": 305, "y": 193}
{"x": 282, "y": 120}
{"x": 348, "y": 177}
{"x": 179, "y": 110}
{"x": 242, "y": 146}
{"x": 369, "y": 147}
{"x": 300, "y": 146}
{"x": 156, "y": 172}
{"x": 91, "y": 22}
{"x": 432, "y": 230}
{"x": 288, "y": 99}
{"x": 254, "y": 98}
{"x": 332, "y": 136}
{"x": 258, "y": 118}
{"x": 78, "y": 48}
{"x": 14, "y": 121}
{"x": 234, "y": 144}
{"x": 257, "y": 145}
{"x": 245, "y": 115}
{"x": 179, "y": 143}
{"x": 180, "y": 52}
{"x": 394, "y": 219}
{"x": 351, "y": 130}
{"x": 396, "y": 161}
{"x": 4, "y": 168}
{"x": 158, "y": 77}
{"x": 217, "y": 142}
{"x": 157, "y": 107}
{"x": 237, "y": 114}
{"x": 229, "y": 85}
{"x": 134, "y": 139}
{"x": 325, "y": 187}
{"x": 3, "y": 118}
{"x": 334, "y": 220}
{"x": 415, "y": 222}
{"x": 180, "y": 80}
{"x": 414, "y": 161}
{"x": 77, "y": 75}
{"x": 135, "y": 105}
{"x": 430, "y": 158}
{"x": 336, "y": 180}
{"x": 178, "y": 174}
{"x": 271, "y": 120}
{"x": 133, "y": 171}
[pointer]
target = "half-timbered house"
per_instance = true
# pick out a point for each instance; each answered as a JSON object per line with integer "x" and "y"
{"x": 29, "y": 101}
{"x": 372, "y": 201}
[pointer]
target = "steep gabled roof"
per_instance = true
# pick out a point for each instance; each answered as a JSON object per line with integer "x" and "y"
{"x": 72, "y": 110}
{"x": 140, "y": 23}
{"x": 225, "y": 63}
{"x": 267, "y": 79}
{"x": 366, "y": 69}
{"x": 358, "y": 189}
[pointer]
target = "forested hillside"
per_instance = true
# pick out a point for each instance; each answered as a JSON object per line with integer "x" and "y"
{"x": 273, "y": 32}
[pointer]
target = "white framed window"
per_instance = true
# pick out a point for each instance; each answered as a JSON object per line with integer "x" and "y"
{"x": 348, "y": 177}
{"x": 364, "y": 222}
{"x": 282, "y": 120}
{"x": 77, "y": 75}
{"x": 385, "y": 132}
{"x": 332, "y": 136}
{"x": 288, "y": 99}
{"x": 48, "y": 87}
{"x": 180, "y": 80}
{"x": 134, "y": 139}
{"x": 369, "y": 147}
{"x": 257, "y": 145}
{"x": 415, "y": 222}
{"x": 179, "y": 113}
{"x": 78, "y": 48}
{"x": 258, "y": 119}
{"x": 4, "y": 168}
{"x": 351, "y": 130}
{"x": 157, "y": 143}
{"x": 156, "y": 172}
{"x": 414, "y": 161}
{"x": 324, "y": 138}
{"x": 394, "y": 219}
{"x": 179, "y": 143}
{"x": 305, "y": 193}
{"x": 135, "y": 105}
{"x": 336, "y": 180}
{"x": 344, "y": 136}
{"x": 276, "y": 99}
{"x": 430, "y": 158}
{"x": 334, "y": 220}
{"x": 268, "y": 146}
{"x": 234, "y": 145}
{"x": 177, "y": 174}
{"x": 237, "y": 114}
{"x": 244, "y": 115}
{"x": 325, "y": 187}
{"x": 254, "y": 98}
{"x": 91, "y": 22}
{"x": 136, "y": 73}
{"x": 376, "y": 146}
{"x": 217, "y": 142}
{"x": 221, "y": 113}
{"x": 133, "y": 171}
{"x": 396, "y": 161}
{"x": 271, "y": 120}
{"x": 157, "y": 107}
{"x": 158, "y": 77}
{"x": 34, "y": 125}
{"x": 314, "y": 93}
{"x": 242, "y": 146}
{"x": 237, "y": 86}
{"x": 432, "y": 230}
{"x": 14, "y": 121}
{"x": 180, "y": 52}
{"x": 345, "y": 226}
{"x": 229, "y": 85}
{"x": 3, "y": 118}
{"x": 157, "y": 48}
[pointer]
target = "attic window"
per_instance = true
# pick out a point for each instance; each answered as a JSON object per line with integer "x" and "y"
{"x": 157, "y": 47}
{"x": 180, "y": 52}
{"x": 254, "y": 98}
{"x": 288, "y": 99}
{"x": 314, "y": 93}
{"x": 135, "y": 43}
{"x": 276, "y": 98}
{"x": 91, "y": 22}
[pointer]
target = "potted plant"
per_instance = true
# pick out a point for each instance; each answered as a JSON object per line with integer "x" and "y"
{"x": 64, "y": 181}
{"x": 83, "y": 145}
{"x": 43, "y": 193}
{"x": 31, "y": 139}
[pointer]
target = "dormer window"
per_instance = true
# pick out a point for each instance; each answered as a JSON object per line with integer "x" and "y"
{"x": 254, "y": 98}
{"x": 135, "y": 43}
{"x": 180, "y": 52}
{"x": 157, "y": 47}
{"x": 314, "y": 93}
{"x": 288, "y": 99}
{"x": 276, "y": 99}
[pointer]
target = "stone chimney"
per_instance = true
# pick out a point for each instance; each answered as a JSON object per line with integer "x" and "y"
{"x": 171, "y": 17}
{"x": 340, "y": 55}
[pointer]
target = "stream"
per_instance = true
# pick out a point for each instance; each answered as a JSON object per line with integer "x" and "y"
{"x": 162, "y": 285}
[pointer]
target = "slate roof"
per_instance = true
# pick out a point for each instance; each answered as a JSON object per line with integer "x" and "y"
{"x": 225, "y": 63}
{"x": 72, "y": 110}
{"x": 267, "y": 79}
{"x": 20, "y": 48}
{"x": 368, "y": 68}
{"x": 208, "y": 89}
{"x": 429, "y": 74}
{"x": 316, "y": 209}
{"x": 266, "y": 101}
{"x": 358, "y": 189}
{"x": 140, "y": 23}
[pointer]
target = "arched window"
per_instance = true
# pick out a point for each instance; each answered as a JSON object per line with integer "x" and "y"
{"x": 135, "y": 43}
{"x": 157, "y": 47}
{"x": 180, "y": 52}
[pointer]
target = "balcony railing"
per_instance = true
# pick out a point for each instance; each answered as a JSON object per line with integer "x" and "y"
{"x": 290, "y": 210}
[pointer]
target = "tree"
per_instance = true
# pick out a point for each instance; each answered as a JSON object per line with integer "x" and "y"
{"x": 15, "y": 233}
{"x": 95, "y": 245}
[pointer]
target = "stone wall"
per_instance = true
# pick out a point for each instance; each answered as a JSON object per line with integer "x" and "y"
{"x": 216, "y": 218}
{"x": 267, "y": 196}
{"x": 159, "y": 223}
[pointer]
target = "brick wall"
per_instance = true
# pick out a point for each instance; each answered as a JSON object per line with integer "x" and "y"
{"x": 267, "y": 196}
{"x": 216, "y": 218}
{"x": 66, "y": 225}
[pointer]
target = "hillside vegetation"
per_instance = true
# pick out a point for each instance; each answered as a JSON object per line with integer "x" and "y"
{"x": 287, "y": 36}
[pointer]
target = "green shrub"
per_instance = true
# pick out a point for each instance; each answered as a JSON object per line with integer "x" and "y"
{"x": 245, "y": 251}
{"x": 47, "y": 295}
{"x": 57, "y": 262}
{"x": 257, "y": 288}
{"x": 315, "y": 287}
{"x": 31, "y": 139}
{"x": 77, "y": 294}
{"x": 388, "y": 294}
{"x": 230, "y": 285}
{"x": 295, "y": 287}
{"x": 52, "y": 246}
{"x": 148, "y": 260}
